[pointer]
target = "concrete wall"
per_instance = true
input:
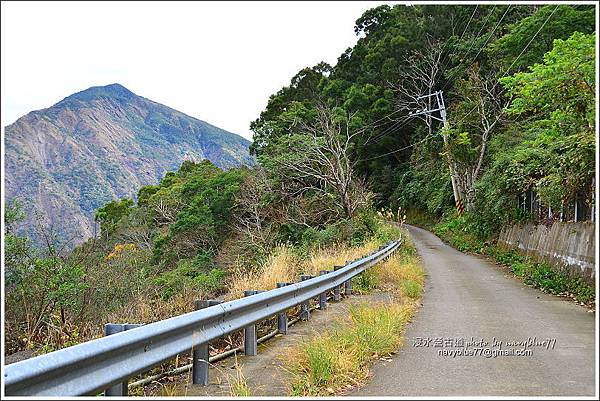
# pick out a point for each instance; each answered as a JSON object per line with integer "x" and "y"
{"x": 569, "y": 247}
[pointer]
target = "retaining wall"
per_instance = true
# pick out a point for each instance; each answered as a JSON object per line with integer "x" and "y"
{"x": 567, "y": 246}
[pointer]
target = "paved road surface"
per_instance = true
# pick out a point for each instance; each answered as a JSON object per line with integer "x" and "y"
{"x": 468, "y": 297}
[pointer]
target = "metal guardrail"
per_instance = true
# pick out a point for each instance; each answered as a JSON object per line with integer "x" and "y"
{"x": 91, "y": 367}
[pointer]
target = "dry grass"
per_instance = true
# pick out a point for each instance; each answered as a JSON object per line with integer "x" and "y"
{"x": 402, "y": 274}
{"x": 340, "y": 359}
{"x": 238, "y": 385}
{"x": 285, "y": 266}
{"x": 325, "y": 259}
{"x": 146, "y": 308}
{"x": 280, "y": 267}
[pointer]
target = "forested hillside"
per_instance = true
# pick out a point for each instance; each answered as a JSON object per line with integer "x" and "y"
{"x": 518, "y": 85}
{"x": 335, "y": 147}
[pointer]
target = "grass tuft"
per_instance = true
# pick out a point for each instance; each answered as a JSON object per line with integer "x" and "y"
{"x": 238, "y": 386}
{"x": 411, "y": 289}
{"x": 340, "y": 358}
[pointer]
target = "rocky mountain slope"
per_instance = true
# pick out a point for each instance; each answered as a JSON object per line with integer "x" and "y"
{"x": 104, "y": 143}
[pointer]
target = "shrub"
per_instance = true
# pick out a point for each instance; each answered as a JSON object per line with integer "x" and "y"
{"x": 411, "y": 289}
{"x": 365, "y": 282}
{"x": 329, "y": 362}
{"x": 211, "y": 282}
{"x": 196, "y": 273}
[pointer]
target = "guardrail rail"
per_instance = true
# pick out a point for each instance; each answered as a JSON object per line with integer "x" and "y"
{"x": 94, "y": 366}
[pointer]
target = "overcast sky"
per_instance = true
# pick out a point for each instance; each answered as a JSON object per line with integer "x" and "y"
{"x": 218, "y": 62}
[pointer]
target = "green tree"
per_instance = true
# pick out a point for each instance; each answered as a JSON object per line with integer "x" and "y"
{"x": 110, "y": 214}
{"x": 556, "y": 99}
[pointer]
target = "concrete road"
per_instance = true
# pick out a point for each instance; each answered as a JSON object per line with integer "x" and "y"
{"x": 468, "y": 298}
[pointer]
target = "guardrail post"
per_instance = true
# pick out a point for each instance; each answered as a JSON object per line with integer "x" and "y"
{"x": 200, "y": 353}
{"x": 336, "y": 289}
{"x": 348, "y": 287}
{"x": 305, "y": 306}
{"x": 250, "y": 344}
{"x": 323, "y": 295}
{"x": 120, "y": 389}
{"x": 282, "y": 320}
{"x": 348, "y": 283}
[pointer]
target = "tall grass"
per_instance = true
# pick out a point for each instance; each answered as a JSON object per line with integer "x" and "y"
{"x": 281, "y": 266}
{"x": 340, "y": 358}
{"x": 401, "y": 274}
{"x": 238, "y": 385}
{"x": 285, "y": 265}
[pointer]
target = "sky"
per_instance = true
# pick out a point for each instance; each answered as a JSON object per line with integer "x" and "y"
{"x": 218, "y": 62}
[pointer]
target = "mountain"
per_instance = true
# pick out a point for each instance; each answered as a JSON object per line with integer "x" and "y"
{"x": 64, "y": 162}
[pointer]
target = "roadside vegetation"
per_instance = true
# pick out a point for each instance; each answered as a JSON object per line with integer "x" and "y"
{"x": 455, "y": 230}
{"x": 333, "y": 148}
{"x": 519, "y": 89}
{"x": 55, "y": 301}
{"x": 340, "y": 358}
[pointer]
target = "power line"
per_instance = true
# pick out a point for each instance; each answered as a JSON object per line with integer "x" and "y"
{"x": 397, "y": 150}
{"x": 468, "y": 23}
{"x": 447, "y": 56}
{"x": 525, "y": 48}
{"x": 480, "y": 49}
{"x": 478, "y": 33}
{"x": 397, "y": 125}
{"x": 486, "y": 42}
{"x": 382, "y": 134}
{"x": 514, "y": 61}
{"x": 490, "y": 35}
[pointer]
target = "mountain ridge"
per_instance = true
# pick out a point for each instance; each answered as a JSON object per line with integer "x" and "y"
{"x": 100, "y": 144}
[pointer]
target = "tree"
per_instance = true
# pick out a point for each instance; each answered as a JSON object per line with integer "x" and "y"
{"x": 555, "y": 101}
{"x": 419, "y": 80}
{"x": 43, "y": 289}
{"x": 256, "y": 211}
{"x": 17, "y": 249}
{"x": 304, "y": 91}
{"x": 558, "y": 21}
{"x": 476, "y": 113}
{"x": 316, "y": 161}
{"x": 110, "y": 214}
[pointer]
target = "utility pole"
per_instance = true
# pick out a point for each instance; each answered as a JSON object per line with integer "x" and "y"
{"x": 441, "y": 108}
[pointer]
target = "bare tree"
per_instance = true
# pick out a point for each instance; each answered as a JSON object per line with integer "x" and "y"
{"x": 254, "y": 213}
{"x": 137, "y": 229}
{"x": 318, "y": 160}
{"x": 480, "y": 110}
{"x": 420, "y": 79}
{"x": 165, "y": 207}
{"x": 414, "y": 93}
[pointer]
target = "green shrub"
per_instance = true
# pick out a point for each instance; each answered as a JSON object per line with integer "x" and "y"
{"x": 364, "y": 225}
{"x": 211, "y": 282}
{"x": 387, "y": 232}
{"x": 411, "y": 289}
{"x": 197, "y": 273}
{"x": 365, "y": 282}
{"x": 519, "y": 268}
